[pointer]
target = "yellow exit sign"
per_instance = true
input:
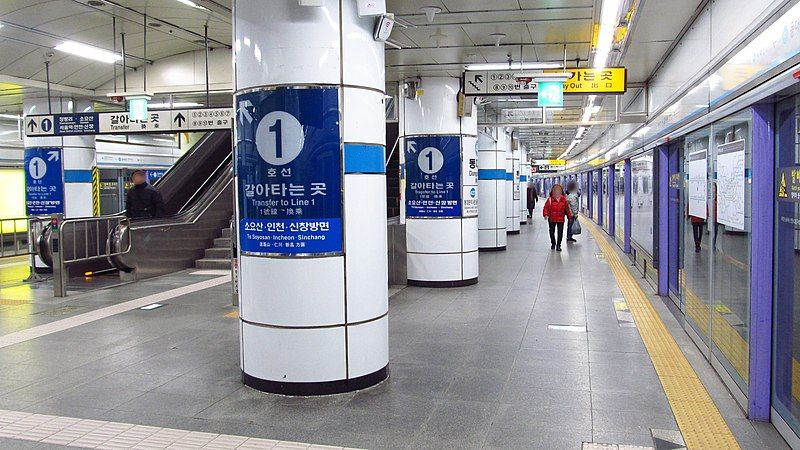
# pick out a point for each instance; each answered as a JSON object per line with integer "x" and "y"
{"x": 609, "y": 80}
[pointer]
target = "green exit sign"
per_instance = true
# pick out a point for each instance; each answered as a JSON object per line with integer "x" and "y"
{"x": 137, "y": 109}
{"x": 550, "y": 93}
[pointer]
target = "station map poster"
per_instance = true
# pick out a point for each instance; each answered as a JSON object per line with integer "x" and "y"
{"x": 698, "y": 185}
{"x": 433, "y": 171}
{"x": 44, "y": 181}
{"x": 730, "y": 184}
{"x": 289, "y": 171}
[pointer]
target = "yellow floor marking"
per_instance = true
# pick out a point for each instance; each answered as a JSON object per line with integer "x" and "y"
{"x": 698, "y": 418}
{"x": 12, "y": 302}
{"x": 233, "y": 314}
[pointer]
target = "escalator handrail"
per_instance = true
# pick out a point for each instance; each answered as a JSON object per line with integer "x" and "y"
{"x": 197, "y": 217}
{"x": 222, "y": 165}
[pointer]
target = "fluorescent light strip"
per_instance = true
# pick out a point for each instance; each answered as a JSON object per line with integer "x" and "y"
{"x": 605, "y": 37}
{"x": 512, "y": 66}
{"x": 173, "y": 105}
{"x": 192, "y": 4}
{"x": 89, "y": 52}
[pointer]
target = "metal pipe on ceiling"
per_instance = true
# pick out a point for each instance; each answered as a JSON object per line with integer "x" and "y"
{"x": 501, "y": 22}
{"x": 165, "y": 22}
{"x": 505, "y": 10}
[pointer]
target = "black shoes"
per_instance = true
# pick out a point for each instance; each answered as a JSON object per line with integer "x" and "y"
{"x": 571, "y": 240}
{"x": 558, "y": 249}
{"x": 552, "y": 246}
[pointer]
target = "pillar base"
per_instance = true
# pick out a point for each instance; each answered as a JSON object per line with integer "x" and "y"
{"x": 513, "y": 232}
{"x": 492, "y": 249}
{"x": 443, "y": 284}
{"x": 319, "y": 388}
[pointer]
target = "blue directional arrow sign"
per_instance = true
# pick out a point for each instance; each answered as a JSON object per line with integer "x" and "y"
{"x": 44, "y": 181}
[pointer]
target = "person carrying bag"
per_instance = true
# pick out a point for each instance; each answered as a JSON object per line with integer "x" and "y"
{"x": 556, "y": 210}
{"x": 573, "y": 198}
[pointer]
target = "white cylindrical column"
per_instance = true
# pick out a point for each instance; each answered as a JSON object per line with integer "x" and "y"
{"x": 512, "y": 187}
{"x": 524, "y": 176}
{"x": 70, "y": 191}
{"x": 311, "y": 197}
{"x": 441, "y": 186}
{"x": 492, "y": 187}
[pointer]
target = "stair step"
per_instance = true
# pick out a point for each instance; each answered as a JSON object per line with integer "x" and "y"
{"x": 218, "y": 253}
{"x": 226, "y": 232}
{"x": 213, "y": 263}
{"x": 222, "y": 242}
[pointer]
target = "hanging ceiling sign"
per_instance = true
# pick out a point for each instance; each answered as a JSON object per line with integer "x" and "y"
{"x": 550, "y": 162}
{"x": 496, "y": 82}
{"x": 609, "y": 80}
{"x": 165, "y": 121}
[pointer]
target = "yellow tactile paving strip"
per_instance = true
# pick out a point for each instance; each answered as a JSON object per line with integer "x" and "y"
{"x": 698, "y": 418}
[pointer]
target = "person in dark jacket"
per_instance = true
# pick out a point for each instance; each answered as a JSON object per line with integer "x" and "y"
{"x": 143, "y": 201}
{"x": 533, "y": 196}
{"x": 555, "y": 210}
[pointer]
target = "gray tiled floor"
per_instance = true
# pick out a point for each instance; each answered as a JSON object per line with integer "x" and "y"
{"x": 470, "y": 367}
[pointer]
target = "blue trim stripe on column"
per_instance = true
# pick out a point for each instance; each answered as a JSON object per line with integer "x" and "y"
{"x": 523, "y": 178}
{"x": 509, "y": 176}
{"x": 78, "y": 176}
{"x": 364, "y": 158}
{"x": 491, "y": 174}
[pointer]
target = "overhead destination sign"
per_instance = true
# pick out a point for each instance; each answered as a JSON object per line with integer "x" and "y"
{"x": 167, "y": 121}
{"x": 496, "y": 82}
{"x": 609, "y": 80}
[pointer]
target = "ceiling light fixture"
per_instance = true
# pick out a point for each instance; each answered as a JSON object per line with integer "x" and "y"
{"x": 430, "y": 12}
{"x": 89, "y": 52}
{"x": 609, "y": 17}
{"x": 498, "y": 38}
{"x": 514, "y": 66}
{"x": 192, "y": 4}
{"x": 173, "y": 105}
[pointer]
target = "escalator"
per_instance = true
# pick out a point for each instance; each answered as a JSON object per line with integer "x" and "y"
{"x": 198, "y": 198}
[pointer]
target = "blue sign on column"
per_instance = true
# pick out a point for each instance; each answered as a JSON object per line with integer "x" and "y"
{"x": 289, "y": 171}
{"x": 433, "y": 183}
{"x": 44, "y": 181}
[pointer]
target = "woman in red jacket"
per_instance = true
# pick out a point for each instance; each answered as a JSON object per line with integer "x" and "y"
{"x": 556, "y": 209}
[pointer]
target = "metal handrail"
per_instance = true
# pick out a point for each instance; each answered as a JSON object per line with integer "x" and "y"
{"x": 22, "y": 241}
{"x": 179, "y": 224}
{"x": 112, "y": 222}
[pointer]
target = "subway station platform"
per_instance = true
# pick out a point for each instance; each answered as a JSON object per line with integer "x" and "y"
{"x": 549, "y": 350}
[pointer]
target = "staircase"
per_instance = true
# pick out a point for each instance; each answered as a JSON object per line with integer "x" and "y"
{"x": 217, "y": 257}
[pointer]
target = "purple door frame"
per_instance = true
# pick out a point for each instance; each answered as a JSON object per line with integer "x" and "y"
{"x": 589, "y": 180}
{"x": 662, "y": 202}
{"x": 600, "y": 197}
{"x": 761, "y": 262}
{"x": 612, "y": 208}
{"x": 627, "y": 230}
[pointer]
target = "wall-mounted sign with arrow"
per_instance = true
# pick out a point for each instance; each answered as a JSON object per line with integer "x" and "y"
{"x": 178, "y": 120}
{"x": 44, "y": 180}
{"x": 39, "y": 126}
{"x": 165, "y": 121}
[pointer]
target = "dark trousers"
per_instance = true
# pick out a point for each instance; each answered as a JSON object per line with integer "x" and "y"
{"x": 569, "y": 228}
{"x": 697, "y": 232}
{"x": 530, "y": 210}
{"x": 553, "y": 227}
